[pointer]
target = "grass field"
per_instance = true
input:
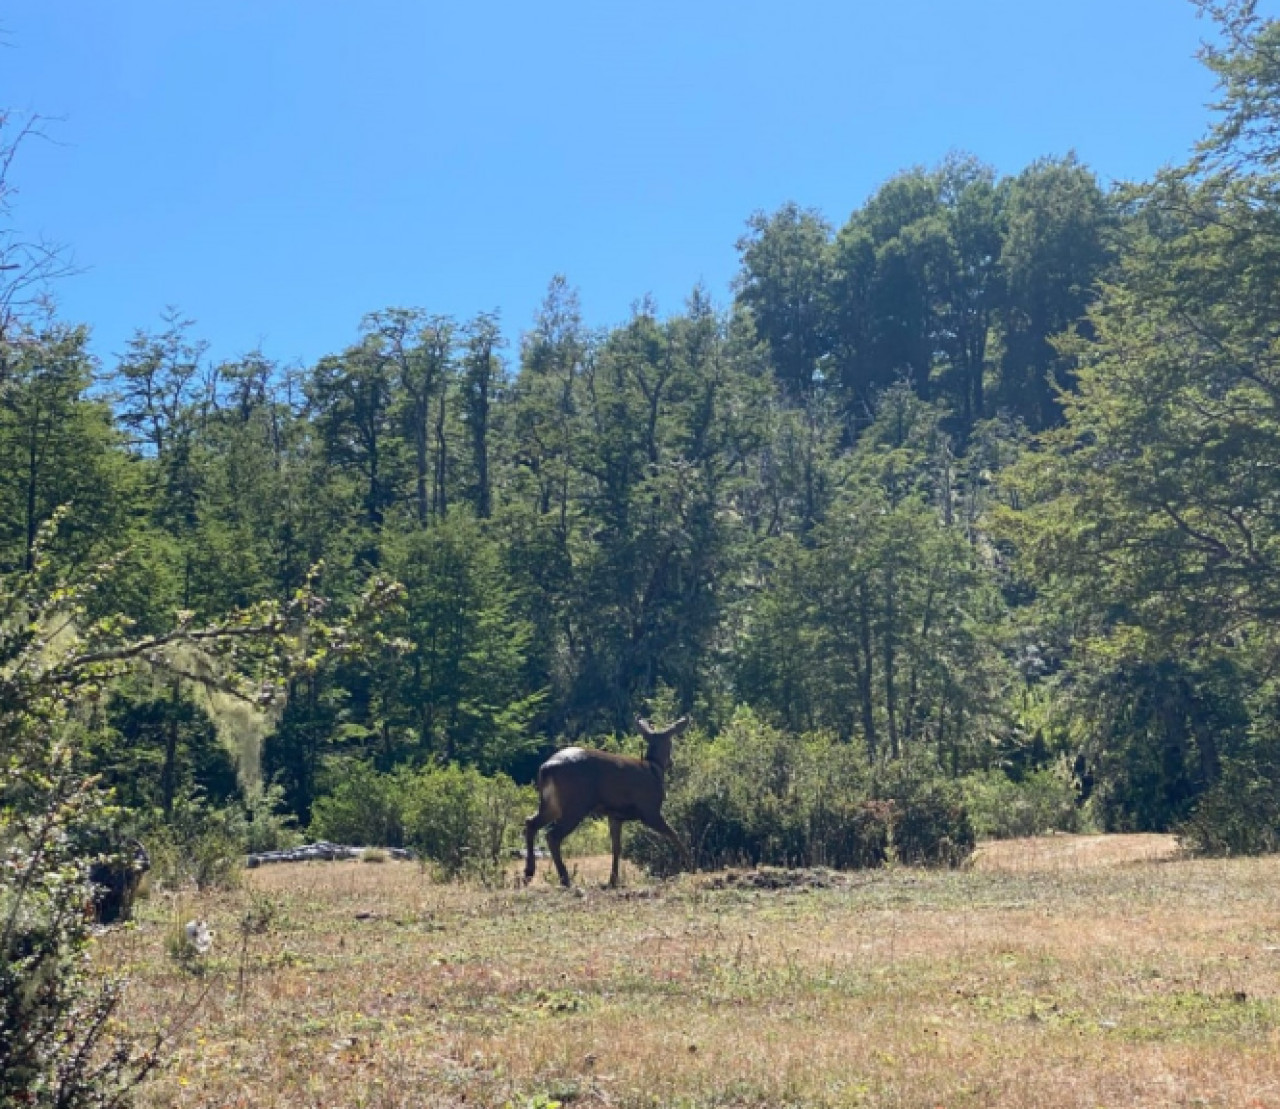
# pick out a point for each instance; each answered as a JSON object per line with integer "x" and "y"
{"x": 1060, "y": 972}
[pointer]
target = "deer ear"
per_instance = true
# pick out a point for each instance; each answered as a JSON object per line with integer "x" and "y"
{"x": 644, "y": 726}
{"x": 680, "y": 725}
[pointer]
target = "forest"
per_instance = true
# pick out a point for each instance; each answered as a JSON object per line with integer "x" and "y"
{"x": 983, "y": 477}
{"x": 975, "y": 491}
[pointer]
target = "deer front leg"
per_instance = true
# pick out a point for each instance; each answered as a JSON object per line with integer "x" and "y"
{"x": 615, "y": 838}
{"x": 659, "y": 825}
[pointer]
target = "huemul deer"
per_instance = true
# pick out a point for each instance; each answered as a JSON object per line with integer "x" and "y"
{"x": 576, "y": 783}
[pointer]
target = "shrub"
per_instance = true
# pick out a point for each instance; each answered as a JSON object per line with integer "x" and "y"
{"x": 198, "y": 845}
{"x": 460, "y": 819}
{"x": 1239, "y": 814}
{"x": 755, "y": 795}
{"x": 932, "y": 828}
{"x": 440, "y": 815}
{"x": 1043, "y": 801}
{"x": 268, "y": 827}
{"x": 365, "y": 808}
{"x": 452, "y": 816}
{"x": 501, "y": 808}
{"x": 852, "y": 835}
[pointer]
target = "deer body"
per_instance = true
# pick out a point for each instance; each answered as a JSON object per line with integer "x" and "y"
{"x": 577, "y": 783}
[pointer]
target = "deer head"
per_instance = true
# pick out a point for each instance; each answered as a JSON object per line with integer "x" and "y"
{"x": 659, "y": 740}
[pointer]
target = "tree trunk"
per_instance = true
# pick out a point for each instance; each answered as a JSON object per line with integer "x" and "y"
{"x": 421, "y": 419}
{"x": 890, "y": 689}
{"x": 33, "y": 471}
{"x": 169, "y": 772}
{"x": 866, "y": 672}
{"x": 442, "y": 455}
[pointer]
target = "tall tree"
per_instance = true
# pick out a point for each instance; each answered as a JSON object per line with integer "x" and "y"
{"x": 481, "y": 385}
{"x": 783, "y": 281}
{"x": 1056, "y": 248}
{"x": 58, "y": 447}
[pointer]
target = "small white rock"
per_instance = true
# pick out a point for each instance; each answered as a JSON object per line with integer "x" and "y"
{"x": 199, "y": 936}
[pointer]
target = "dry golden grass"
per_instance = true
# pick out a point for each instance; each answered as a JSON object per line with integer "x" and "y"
{"x": 1061, "y": 852}
{"x": 1151, "y": 984}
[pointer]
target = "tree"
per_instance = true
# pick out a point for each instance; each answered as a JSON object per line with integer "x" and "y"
{"x": 885, "y": 625}
{"x": 1055, "y": 250}
{"x": 786, "y": 269}
{"x": 1148, "y": 517}
{"x": 352, "y": 401}
{"x": 57, "y": 447}
{"x": 482, "y": 381}
{"x": 460, "y": 680}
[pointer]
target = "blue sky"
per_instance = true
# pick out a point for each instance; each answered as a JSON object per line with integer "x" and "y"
{"x": 278, "y": 168}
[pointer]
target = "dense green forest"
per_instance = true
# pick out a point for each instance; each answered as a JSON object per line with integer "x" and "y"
{"x": 982, "y": 479}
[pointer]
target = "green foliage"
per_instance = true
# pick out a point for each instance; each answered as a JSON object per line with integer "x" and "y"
{"x": 56, "y": 1046}
{"x": 461, "y": 820}
{"x": 199, "y": 845}
{"x": 1044, "y": 800}
{"x": 452, "y": 816}
{"x": 882, "y": 623}
{"x": 1238, "y": 815}
{"x": 58, "y": 448}
{"x": 755, "y": 795}
{"x": 268, "y": 824}
{"x": 931, "y": 827}
{"x": 461, "y": 677}
{"x": 364, "y": 808}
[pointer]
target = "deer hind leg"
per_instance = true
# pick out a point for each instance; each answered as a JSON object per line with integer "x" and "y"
{"x": 549, "y": 813}
{"x": 557, "y": 833}
{"x": 531, "y": 827}
{"x": 615, "y": 839}
{"x": 554, "y": 838}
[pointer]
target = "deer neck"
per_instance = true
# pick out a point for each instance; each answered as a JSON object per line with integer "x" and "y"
{"x": 658, "y": 754}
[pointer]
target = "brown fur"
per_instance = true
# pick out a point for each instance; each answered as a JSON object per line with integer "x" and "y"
{"x": 578, "y": 783}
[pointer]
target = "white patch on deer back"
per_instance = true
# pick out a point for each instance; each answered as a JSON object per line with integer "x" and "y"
{"x": 568, "y": 754}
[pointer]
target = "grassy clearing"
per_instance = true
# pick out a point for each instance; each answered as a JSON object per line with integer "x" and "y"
{"x": 1152, "y": 984}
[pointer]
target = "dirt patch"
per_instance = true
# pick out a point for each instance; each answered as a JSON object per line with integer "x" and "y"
{"x": 1064, "y": 852}
{"x": 775, "y": 878}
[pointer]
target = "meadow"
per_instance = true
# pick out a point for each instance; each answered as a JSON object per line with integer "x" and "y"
{"x": 1059, "y": 972}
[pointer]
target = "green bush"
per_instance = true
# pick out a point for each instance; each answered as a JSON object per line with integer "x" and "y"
{"x": 500, "y": 811}
{"x": 452, "y": 816}
{"x": 268, "y": 827}
{"x": 365, "y": 808}
{"x": 852, "y": 835}
{"x": 198, "y": 845}
{"x": 932, "y": 828}
{"x": 461, "y": 820}
{"x": 1239, "y": 814}
{"x": 1001, "y": 808}
{"x": 758, "y": 796}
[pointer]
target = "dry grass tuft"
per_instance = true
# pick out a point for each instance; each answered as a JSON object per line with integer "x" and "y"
{"x": 1010, "y": 984}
